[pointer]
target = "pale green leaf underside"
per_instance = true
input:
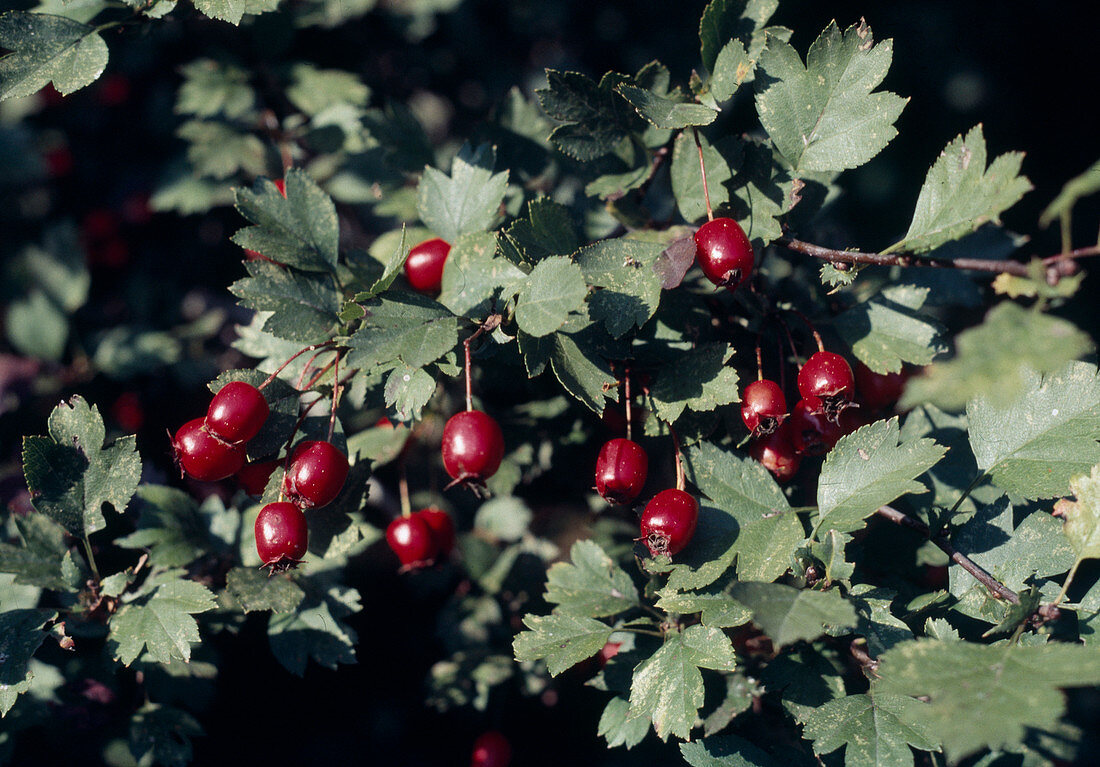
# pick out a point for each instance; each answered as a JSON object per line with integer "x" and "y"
{"x": 48, "y": 49}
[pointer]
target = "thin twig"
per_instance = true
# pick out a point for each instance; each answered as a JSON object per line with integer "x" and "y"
{"x": 1059, "y": 265}
{"x": 680, "y": 480}
{"x": 703, "y": 170}
{"x": 997, "y": 588}
{"x": 626, "y": 396}
{"x": 296, "y": 355}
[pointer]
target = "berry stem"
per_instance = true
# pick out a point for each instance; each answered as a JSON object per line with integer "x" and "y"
{"x": 316, "y": 377}
{"x": 680, "y": 481}
{"x": 703, "y": 170}
{"x": 335, "y": 396}
{"x": 810, "y": 326}
{"x": 296, "y": 355}
{"x": 1065, "y": 585}
{"x": 403, "y": 489}
{"x": 91, "y": 559}
{"x": 760, "y": 359}
{"x": 626, "y": 396}
{"x": 469, "y": 385}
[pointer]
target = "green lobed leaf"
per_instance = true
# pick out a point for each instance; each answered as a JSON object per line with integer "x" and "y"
{"x": 805, "y": 679}
{"x": 732, "y": 69}
{"x": 823, "y": 116}
{"x": 716, "y": 607}
{"x": 960, "y": 194}
{"x": 213, "y": 88}
{"x": 698, "y": 380}
{"x": 875, "y": 730}
{"x": 741, "y": 691}
{"x": 71, "y": 474}
{"x": 315, "y": 630}
{"x": 554, "y": 289}
{"x": 761, "y": 189}
{"x": 881, "y": 628}
{"x": 870, "y": 468}
{"x": 985, "y": 695}
{"x": 473, "y": 276}
{"x": 752, "y": 521}
{"x": 44, "y": 49}
{"x": 668, "y": 686}
{"x": 304, "y": 307}
{"x": 596, "y": 117}
{"x": 407, "y": 391}
{"x": 163, "y": 733}
{"x": 992, "y": 359}
{"x": 1088, "y": 183}
{"x": 723, "y": 20}
{"x": 629, "y": 288}
{"x": 1082, "y": 516}
{"x": 40, "y": 560}
{"x": 546, "y": 230}
{"x": 664, "y": 112}
{"x": 591, "y": 584}
{"x": 951, "y": 477}
{"x": 581, "y": 370}
{"x": 36, "y": 327}
{"x": 169, "y": 528}
{"x": 299, "y": 230}
{"x": 21, "y": 634}
{"x": 224, "y": 10}
{"x": 314, "y": 90}
{"x": 1034, "y": 447}
{"x": 508, "y": 519}
{"x": 254, "y": 590}
{"x": 687, "y": 177}
{"x": 160, "y": 623}
{"x": 830, "y": 551}
{"x": 466, "y": 201}
{"x": 562, "y": 640}
{"x": 402, "y": 326}
{"x": 888, "y": 330}
{"x": 788, "y": 615}
{"x": 220, "y": 151}
{"x": 727, "y": 751}
{"x": 617, "y": 728}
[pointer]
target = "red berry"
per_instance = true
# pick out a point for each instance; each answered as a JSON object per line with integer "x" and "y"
{"x": 621, "y": 470}
{"x": 724, "y": 252}
{"x": 763, "y": 407}
{"x": 442, "y": 528}
{"x": 281, "y": 535}
{"x": 280, "y": 184}
{"x": 237, "y": 412}
{"x": 254, "y": 476}
{"x": 776, "y": 452}
{"x": 412, "y": 541}
{"x": 826, "y": 375}
{"x": 202, "y": 455}
{"x": 59, "y": 161}
{"x": 607, "y": 652}
{"x": 424, "y": 266}
{"x": 316, "y": 474}
{"x": 877, "y": 391}
{"x": 113, "y": 90}
{"x": 813, "y": 432}
{"x": 668, "y": 521}
{"x": 128, "y": 412}
{"x": 491, "y": 749}
{"x": 473, "y": 446}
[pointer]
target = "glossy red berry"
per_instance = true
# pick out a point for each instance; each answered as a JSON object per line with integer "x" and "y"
{"x": 412, "y": 541}
{"x": 203, "y": 456}
{"x": 826, "y": 375}
{"x": 813, "y": 431}
{"x": 316, "y": 474}
{"x": 281, "y": 535}
{"x": 668, "y": 521}
{"x": 253, "y": 477}
{"x": 776, "y": 452}
{"x": 724, "y": 252}
{"x": 763, "y": 407}
{"x": 472, "y": 447}
{"x": 424, "y": 266}
{"x": 491, "y": 749}
{"x": 237, "y": 412}
{"x": 878, "y": 391}
{"x": 441, "y": 526}
{"x": 621, "y": 470}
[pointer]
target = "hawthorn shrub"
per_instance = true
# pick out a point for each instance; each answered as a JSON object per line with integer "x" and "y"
{"x": 594, "y": 387}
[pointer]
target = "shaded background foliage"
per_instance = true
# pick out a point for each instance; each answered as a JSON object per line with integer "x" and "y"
{"x": 1024, "y": 71}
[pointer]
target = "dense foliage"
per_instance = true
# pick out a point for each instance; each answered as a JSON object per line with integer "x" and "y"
{"x": 590, "y": 391}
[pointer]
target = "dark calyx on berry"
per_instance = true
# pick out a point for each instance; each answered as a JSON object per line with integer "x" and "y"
{"x": 776, "y": 452}
{"x": 282, "y": 536}
{"x": 827, "y": 376}
{"x": 668, "y": 522}
{"x": 763, "y": 407}
{"x": 621, "y": 470}
{"x": 412, "y": 541}
{"x": 424, "y": 266}
{"x": 724, "y": 252}
{"x": 237, "y": 412}
{"x": 201, "y": 455}
{"x": 316, "y": 475}
{"x": 472, "y": 446}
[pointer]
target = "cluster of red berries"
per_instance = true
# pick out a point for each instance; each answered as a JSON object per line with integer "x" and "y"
{"x": 826, "y": 411}
{"x": 472, "y": 448}
{"x": 669, "y": 519}
{"x": 212, "y": 448}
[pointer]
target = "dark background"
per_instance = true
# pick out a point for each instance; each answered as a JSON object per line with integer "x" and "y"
{"x": 1027, "y": 71}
